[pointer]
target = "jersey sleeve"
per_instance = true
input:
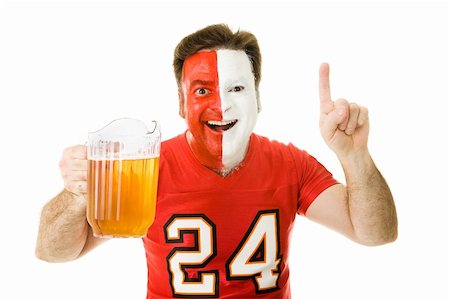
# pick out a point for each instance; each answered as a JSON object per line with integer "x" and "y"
{"x": 313, "y": 178}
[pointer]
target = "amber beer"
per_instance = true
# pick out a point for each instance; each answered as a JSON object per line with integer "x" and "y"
{"x": 122, "y": 196}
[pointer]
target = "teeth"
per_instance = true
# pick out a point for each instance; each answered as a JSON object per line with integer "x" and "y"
{"x": 220, "y": 123}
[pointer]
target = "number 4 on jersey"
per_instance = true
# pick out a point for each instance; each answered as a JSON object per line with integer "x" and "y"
{"x": 257, "y": 256}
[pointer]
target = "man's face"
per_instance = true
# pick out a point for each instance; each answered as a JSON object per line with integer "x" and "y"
{"x": 220, "y": 106}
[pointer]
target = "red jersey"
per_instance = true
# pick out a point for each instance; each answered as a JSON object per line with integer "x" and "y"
{"x": 228, "y": 237}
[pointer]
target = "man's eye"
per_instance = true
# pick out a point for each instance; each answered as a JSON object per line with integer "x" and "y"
{"x": 201, "y": 91}
{"x": 237, "y": 89}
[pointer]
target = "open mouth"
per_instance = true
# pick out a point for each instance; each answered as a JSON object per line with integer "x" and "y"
{"x": 221, "y": 125}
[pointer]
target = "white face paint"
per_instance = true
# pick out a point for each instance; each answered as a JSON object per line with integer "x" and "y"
{"x": 238, "y": 103}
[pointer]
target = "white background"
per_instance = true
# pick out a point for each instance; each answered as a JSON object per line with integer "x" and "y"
{"x": 70, "y": 67}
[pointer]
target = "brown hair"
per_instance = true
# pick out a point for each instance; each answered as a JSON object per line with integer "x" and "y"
{"x": 218, "y": 36}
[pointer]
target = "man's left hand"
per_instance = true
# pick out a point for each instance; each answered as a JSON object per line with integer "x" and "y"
{"x": 344, "y": 126}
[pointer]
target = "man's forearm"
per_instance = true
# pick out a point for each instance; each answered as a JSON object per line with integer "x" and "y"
{"x": 371, "y": 205}
{"x": 63, "y": 228}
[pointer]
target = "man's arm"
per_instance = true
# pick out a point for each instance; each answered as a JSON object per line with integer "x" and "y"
{"x": 64, "y": 233}
{"x": 364, "y": 210}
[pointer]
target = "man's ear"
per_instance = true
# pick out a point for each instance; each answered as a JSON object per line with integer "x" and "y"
{"x": 181, "y": 104}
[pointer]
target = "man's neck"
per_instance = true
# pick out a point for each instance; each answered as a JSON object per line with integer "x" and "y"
{"x": 226, "y": 171}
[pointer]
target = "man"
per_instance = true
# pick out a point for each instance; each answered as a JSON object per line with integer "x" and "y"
{"x": 227, "y": 198}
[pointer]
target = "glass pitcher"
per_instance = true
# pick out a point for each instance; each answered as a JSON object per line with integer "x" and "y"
{"x": 123, "y": 167}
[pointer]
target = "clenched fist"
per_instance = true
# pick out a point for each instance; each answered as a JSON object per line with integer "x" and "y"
{"x": 73, "y": 166}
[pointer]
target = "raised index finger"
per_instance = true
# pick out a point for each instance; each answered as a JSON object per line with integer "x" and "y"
{"x": 326, "y": 104}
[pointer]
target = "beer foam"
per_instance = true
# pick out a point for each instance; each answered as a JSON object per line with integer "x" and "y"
{"x": 122, "y": 158}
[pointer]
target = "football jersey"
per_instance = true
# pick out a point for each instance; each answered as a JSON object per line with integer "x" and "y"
{"x": 228, "y": 237}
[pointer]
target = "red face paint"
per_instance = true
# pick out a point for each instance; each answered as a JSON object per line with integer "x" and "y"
{"x": 202, "y": 104}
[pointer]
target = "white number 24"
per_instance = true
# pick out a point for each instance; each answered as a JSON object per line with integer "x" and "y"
{"x": 257, "y": 255}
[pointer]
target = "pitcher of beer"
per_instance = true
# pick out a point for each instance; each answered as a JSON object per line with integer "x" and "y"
{"x": 123, "y": 169}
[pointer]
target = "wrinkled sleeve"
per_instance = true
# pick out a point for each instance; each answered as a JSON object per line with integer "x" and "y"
{"x": 313, "y": 178}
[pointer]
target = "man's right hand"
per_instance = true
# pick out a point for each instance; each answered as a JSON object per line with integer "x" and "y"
{"x": 73, "y": 167}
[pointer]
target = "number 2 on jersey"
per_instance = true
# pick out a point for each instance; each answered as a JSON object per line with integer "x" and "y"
{"x": 256, "y": 257}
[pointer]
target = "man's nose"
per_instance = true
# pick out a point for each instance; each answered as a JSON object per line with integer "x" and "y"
{"x": 227, "y": 103}
{"x": 215, "y": 104}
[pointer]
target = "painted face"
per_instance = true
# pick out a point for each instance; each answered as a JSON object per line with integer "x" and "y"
{"x": 220, "y": 106}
